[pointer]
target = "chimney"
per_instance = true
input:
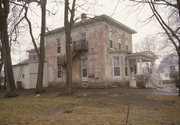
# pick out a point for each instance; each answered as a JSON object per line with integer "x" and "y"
{"x": 83, "y": 16}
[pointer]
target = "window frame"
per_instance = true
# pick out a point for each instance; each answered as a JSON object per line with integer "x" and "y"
{"x": 110, "y": 39}
{"x": 127, "y": 43}
{"x": 118, "y": 66}
{"x": 126, "y": 67}
{"x": 58, "y": 68}
{"x": 58, "y": 42}
{"x": 135, "y": 69}
{"x": 119, "y": 41}
{"x": 83, "y": 36}
{"x": 84, "y": 67}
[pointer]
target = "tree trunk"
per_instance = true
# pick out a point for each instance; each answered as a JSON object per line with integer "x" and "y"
{"x": 1, "y": 66}
{"x": 69, "y": 63}
{"x": 39, "y": 85}
{"x": 178, "y": 6}
{"x": 68, "y": 50}
{"x": 179, "y": 70}
{"x": 4, "y": 11}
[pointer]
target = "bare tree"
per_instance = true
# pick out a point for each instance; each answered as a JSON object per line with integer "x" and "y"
{"x": 1, "y": 63}
{"x": 152, "y": 43}
{"x": 39, "y": 85}
{"x": 172, "y": 30}
{"x": 4, "y": 12}
{"x": 41, "y": 51}
{"x": 68, "y": 24}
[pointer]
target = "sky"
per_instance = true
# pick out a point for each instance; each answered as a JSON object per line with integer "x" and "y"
{"x": 122, "y": 11}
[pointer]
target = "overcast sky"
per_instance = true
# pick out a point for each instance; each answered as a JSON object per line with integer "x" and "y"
{"x": 122, "y": 11}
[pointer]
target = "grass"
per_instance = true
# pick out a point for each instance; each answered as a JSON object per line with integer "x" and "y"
{"x": 90, "y": 108}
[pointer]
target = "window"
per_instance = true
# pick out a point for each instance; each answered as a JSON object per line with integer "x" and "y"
{"x": 74, "y": 46}
{"x": 166, "y": 75}
{"x": 110, "y": 39}
{"x": 131, "y": 69}
{"x": 126, "y": 67}
{"x": 119, "y": 41}
{"x": 135, "y": 69}
{"x": 58, "y": 68}
{"x": 23, "y": 75}
{"x": 116, "y": 66}
{"x": 84, "y": 67}
{"x": 58, "y": 45}
{"x": 127, "y": 41}
{"x": 172, "y": 68}
{"x": 83, "y": 36}
{"x": 34, "y": 57}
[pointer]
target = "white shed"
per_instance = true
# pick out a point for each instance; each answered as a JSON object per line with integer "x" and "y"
{"x": 26, "y": 72}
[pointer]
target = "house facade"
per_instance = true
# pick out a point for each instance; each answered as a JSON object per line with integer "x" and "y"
{"x": 102, "y": 54}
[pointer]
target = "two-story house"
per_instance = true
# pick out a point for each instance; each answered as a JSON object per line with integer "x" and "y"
{"x": 102, "y": 54}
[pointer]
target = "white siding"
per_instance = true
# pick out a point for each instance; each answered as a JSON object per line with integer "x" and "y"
{"x": 30, "y": 75}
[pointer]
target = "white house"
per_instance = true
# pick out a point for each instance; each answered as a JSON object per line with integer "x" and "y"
{"x": 167, "y": 67}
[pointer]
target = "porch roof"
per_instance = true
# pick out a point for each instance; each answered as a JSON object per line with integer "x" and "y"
{"x": 146, "y": 56}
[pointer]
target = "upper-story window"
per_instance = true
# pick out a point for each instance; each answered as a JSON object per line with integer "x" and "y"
{"x": 172, "y": 68}
{"x": 116, "y": 66}
{"x": 127, "y": 42}
{"x": 110, "y": 39}
{"x": 119, "y": 41}
{"x": 83, "y": 36}
{"x": 58, "y": 45}
{"x": 34, "y": 57}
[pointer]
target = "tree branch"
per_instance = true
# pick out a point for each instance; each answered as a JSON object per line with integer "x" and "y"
{"x": 30, "y": 31}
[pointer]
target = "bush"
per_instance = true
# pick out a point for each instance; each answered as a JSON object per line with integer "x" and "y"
{"x": 175, "y": 76}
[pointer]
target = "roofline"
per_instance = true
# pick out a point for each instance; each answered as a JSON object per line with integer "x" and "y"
{"x": 103, "y": 17}
{"x": 143, "y": 54}
{"x": 20, "y": 64}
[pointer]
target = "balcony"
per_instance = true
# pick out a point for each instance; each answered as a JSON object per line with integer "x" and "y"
{"x": 79, "y": 46}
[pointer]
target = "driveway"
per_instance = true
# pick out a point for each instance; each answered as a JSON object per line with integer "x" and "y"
{"x": 167, "y": 91}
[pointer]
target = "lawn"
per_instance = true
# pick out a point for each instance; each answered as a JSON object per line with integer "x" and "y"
{"x": 92, "y": 107}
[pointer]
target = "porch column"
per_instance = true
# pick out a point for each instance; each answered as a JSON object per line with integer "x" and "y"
{"x": 140, "y": 66}
{"x": 137, "y": 67}
{"x": 152, "y": 67}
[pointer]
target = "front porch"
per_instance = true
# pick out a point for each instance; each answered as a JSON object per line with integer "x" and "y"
{"x": 142, "y": 70}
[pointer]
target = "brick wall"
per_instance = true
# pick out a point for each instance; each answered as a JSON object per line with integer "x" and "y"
{"x": 99, "y": 60}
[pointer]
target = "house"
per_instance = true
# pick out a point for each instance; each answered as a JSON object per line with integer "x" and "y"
{"x": 102, "y": 54}
{"x": 25, "y": 72}
{"x": 167, "y": 68}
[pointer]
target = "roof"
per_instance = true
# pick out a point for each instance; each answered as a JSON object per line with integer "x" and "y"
{"x": 95, "y": 19}
{"x": 24, "y": 62}
{"x": 31, "y": 50}
{"x": 145, "y": 55}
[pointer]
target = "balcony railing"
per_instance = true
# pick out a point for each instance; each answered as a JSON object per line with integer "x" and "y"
{"x": 79, "y": 46}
